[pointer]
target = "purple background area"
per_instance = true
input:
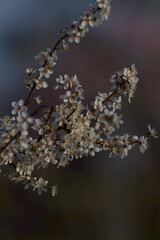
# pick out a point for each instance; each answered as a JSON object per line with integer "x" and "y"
{"x": 99, "y": 198}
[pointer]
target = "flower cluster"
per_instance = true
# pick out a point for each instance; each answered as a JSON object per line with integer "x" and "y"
{"x": 92, "y": 18}
{"x": 71, "y": 129}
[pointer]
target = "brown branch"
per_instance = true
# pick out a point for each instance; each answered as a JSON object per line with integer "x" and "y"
{"x": 47, "y": 119}
{"x": 37, "y": 110}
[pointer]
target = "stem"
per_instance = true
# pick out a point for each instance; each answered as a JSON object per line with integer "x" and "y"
{"x": 30, "y": 93}
{"x": 111, "y": 95}
{"x": 56, "y": 45}
{"x": 37, "y": 110}
{"x": 51, "y": 110}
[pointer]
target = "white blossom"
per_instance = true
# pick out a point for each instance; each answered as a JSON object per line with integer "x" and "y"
{"x": 74, "y": 36}
{"x": 24, "y": 120}
{"x": 18, "y": 107}
{"x": 152, "y": 131}
{"x": 41, "y": 185}
{"x": 30, "y": 71}
{"x": 143, "y": 144}
{"x": 40, "y": 126}
{"x": 38, "y": 99}
{"x": 70, "y": 129}
{"x": 41, "y": 57}
{"x": 40, "y": 83}
{"x": 46, "y": 72}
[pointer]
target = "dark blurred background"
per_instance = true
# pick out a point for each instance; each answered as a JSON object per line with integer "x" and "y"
{"x": 99, "y": 198}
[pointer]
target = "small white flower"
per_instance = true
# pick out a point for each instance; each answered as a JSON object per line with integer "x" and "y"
{"x": 117, "y": 103}
{"x": 28, "y": 83}
{"x": 105, "y": 13}
{"x": 143, "y": 144}
{"x": 18, "y": 107}
{"x": 74, "y": 36}
{"x": 67, "y": 82}
{"x": 47, "y": 145}
{"x": 52, "y": 57}
{"x": 98, "y": 104}
{"x": 64, "y": 45}
{"x": 41, "y": 185}
{"x": 135, "y": 138}
{"x": 38, "y": 99}
{"x": 67, "y": 97}
{"x": 152, "y": 131}
{"x": 41, "y": 57}
{"x": 44, "y": 71}
{"x": 23, "y": 169}
{"x": 87, "y": 19}
{"x": 99, "y": 101}
{"x": 39, "y": 126}
{"x": 7, "y": 157}
{"x": 30, "y": 71}
{"x": 24, "y": 120}
{"x": 62, "y": 81}
{"x": 40, "y": 83}
{"x": 102, "y": 3}
{"x": 79, "y": 93}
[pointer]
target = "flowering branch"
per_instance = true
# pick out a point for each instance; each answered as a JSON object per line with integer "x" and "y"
{"x": 69, "y": 130}
{"x": 45, "y": 63}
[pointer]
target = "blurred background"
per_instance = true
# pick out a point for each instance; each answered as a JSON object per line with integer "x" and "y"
{"x": 99, "y": 198}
